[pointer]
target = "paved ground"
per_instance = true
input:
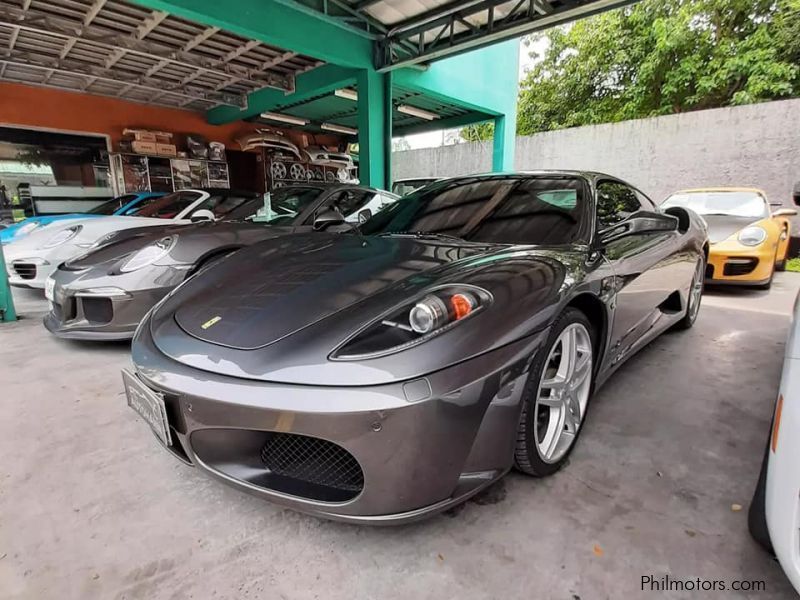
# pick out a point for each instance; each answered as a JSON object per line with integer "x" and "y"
{"x": 90, "y": 507}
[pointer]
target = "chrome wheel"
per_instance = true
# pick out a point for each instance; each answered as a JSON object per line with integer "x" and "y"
{"x": 563, "y": 393}
{"x": 695, "y": 292}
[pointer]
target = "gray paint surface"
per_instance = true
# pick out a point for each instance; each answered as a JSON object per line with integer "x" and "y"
{"x": 756, "y": 145}
{"x": 92, "y": 507}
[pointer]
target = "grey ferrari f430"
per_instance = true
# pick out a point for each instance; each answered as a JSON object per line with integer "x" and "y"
{"x": 384, "y": 376}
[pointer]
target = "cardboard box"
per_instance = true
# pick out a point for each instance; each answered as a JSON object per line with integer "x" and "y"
{"x": 166, "y": 149}
{"x": 141, "y": 147}
{"x": 162, "y": 137}
{"x": 140, "y": 135}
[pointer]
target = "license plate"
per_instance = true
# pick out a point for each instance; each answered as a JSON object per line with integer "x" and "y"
{"x": 149, "y": 405}
{"x": 49, "y": 289}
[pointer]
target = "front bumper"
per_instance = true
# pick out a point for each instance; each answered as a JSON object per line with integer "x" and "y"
{"x": 79, "y": 312}
{"x": 731, "y": 262}
{"x": 783, "y": 479}
{"x": 422, "y": 446}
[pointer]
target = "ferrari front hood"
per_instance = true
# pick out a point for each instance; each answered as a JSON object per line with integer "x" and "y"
{"x": 274, "y": 289}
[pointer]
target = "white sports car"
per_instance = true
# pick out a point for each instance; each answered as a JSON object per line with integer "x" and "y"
{"x": 775, "y": 511}
{"x": 31, "y": 260}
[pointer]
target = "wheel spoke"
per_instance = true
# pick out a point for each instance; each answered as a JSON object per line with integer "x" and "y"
{"x": 551, "y": 401}
{"x": 582, "y": 370}
{"x": 557, "y": 426}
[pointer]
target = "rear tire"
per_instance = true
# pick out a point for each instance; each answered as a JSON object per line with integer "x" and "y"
{"x": 757, "y": 515}
{"x": 780, "y": 265}
{"x": 556, "y": 396}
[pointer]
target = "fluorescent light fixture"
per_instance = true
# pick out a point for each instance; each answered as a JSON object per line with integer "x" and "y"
{"x": 339, "y": 128}
{"x": 417, "y": 112}
{"x": 347, "y": 94}
{"x": 284, "y": 118}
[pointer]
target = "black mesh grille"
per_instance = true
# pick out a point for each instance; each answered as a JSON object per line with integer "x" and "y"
{"x": 98, "y": 310}
{"x": 25, "y": 270}
{"x": 740, "y": 268}
{"x": 312, "y": 460}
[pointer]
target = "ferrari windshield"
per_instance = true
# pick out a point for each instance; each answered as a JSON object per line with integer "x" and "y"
{"x": 734, "y": 204}
{"x": 506, "y": 210}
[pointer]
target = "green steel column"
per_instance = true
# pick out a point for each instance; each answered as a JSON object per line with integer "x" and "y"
{"x": 504, "y": 142}
{"x": 7, "y": 312}
{"x": 373, "y": 134}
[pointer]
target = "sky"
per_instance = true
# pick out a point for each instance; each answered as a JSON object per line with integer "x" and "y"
{"x": 435, "y": 138}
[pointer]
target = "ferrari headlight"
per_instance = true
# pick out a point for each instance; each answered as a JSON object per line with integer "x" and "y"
{"x": 63, "y": 236}
{"x": 415, "y": 322}
{"x": 149, "y": 254}
{"x": 752, "y": 236}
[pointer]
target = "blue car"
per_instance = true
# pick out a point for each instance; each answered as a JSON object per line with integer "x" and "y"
{"x": 127, "y": 204}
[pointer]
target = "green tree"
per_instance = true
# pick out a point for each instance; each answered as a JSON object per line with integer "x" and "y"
{"x": 478, "y": 132}
{"x": 660, "y": 57}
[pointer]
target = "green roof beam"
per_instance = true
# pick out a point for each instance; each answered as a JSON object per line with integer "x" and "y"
{"x": 281, "y": 23}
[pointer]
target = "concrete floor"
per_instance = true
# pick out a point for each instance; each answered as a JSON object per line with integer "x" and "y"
{"x": 91, "y": 507}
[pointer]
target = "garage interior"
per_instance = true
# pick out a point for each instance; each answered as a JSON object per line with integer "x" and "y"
{"x": 654, "y": 489}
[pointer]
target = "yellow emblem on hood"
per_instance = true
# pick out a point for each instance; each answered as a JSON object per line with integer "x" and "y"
{"x": 211, "y": 321}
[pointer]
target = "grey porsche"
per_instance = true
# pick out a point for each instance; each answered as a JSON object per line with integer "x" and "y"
{"x": 104, "y": 294}
{"x": 386, "y": 375}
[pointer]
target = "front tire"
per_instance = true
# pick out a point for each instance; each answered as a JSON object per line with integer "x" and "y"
{"x": 556, "y": 396}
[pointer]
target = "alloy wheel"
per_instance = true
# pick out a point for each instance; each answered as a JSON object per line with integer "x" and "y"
{"x": 696, "y": 292}
{"x": 563, "y": 393}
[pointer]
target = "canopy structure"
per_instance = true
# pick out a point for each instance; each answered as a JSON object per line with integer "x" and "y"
{"x": 366, "y": 69}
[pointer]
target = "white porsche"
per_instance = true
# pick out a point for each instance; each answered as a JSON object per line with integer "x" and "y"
{"x": 31, "y": 260}
{"x": 774, "y": 517}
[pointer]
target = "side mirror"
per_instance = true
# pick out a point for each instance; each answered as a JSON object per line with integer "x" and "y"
{"x": 326, "y": 218}
{"x": 202, "y": 215}
{"x": 784, "y": 212}
{"x": 639, "y": 223}
{"x": 364, "y": 215}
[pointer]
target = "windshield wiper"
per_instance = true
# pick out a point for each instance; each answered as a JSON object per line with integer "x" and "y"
{"x": 423, "y": 234}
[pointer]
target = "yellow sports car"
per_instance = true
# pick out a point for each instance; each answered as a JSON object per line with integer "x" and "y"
{"x": 749, "y": 240}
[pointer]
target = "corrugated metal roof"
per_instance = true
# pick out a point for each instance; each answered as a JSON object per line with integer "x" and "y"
{"x": 113, "y": 48}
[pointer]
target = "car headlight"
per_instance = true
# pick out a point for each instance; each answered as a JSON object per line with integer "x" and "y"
{"x": 414, "y": 322}
{"x": 63, "y": 236}
{"x": 27, "y": 228}
{"x": 752, "y": 236}
{"x": 149, "y": 254}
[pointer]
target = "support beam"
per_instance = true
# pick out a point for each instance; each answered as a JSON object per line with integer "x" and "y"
{"x": 448, "y": 123}
{"x": 7, "y": 312}
{"x": 321, "y": 80}
{"x": 283, "y": 24}
{"x": 504, "y": 142}
{"x": 374, "y": 128}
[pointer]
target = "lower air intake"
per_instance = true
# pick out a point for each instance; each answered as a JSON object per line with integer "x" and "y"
{"x": 315, "y": 462}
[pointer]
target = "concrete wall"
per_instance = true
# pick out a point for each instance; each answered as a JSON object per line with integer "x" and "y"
{"x": 756, "y": 145}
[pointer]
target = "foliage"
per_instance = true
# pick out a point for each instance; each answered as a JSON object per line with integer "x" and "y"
{"x": 660, "y": 57}
{"x": 793, "y": 264}
{"x": 400, "y": 144}
{"x": 478, "y": 132}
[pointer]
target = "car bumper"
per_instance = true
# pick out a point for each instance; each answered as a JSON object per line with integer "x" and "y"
{"x": 421, "y": 446}
{"x": 736, "y": 264}
{"x": 102, "y": 307}
{"x": 783, "y": 479}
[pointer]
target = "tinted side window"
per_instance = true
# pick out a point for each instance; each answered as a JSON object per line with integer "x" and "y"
{"x": 221, "y": 205}
{"x": 644, "y": 201}
{"x": 615, "y": 202}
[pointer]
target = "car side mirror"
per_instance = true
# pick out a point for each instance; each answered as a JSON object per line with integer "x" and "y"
{"x": 364, "y": 215}
{"x": 784, "y": 212}
{"x": 202, "y": 215}
{"x": 327, "y": 218}
{"x": 639, "y": 223}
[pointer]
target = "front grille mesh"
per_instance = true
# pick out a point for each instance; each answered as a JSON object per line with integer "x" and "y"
{"x": 312, "y": 460}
